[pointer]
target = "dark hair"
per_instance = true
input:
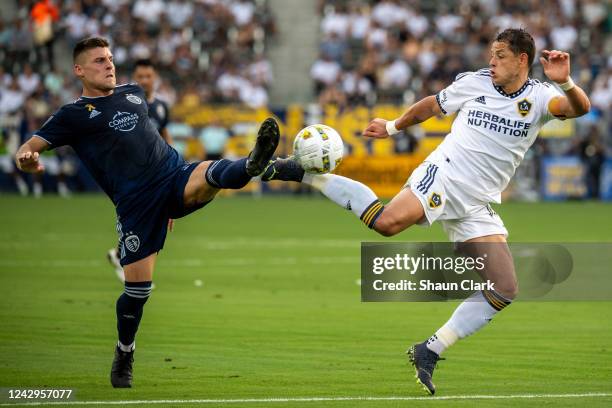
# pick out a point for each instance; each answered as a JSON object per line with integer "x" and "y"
{"x": 144, "y": 62}
{"x": 518, "y": 41}
{"x": 88, "y": 44}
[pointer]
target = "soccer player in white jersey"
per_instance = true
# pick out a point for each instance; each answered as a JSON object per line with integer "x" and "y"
{"x": 500, "y": 111}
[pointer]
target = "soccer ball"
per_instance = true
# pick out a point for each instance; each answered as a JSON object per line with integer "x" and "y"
{"x": 318, "y": 149}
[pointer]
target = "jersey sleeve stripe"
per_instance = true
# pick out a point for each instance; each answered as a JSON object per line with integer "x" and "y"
{"x": 439, "y": 104}
{"x": 40, "y": 137}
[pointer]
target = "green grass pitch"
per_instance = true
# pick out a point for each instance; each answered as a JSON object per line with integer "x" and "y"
{"x": 279, "y": 312}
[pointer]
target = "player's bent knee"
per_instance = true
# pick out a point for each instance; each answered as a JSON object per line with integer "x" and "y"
{"x": 387, "y": 225}
{"x": 197, "y": 190}
{"x": 509, "y": 290}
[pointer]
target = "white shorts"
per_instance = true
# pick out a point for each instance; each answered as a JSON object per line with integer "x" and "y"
{"x": 461, "y": 217}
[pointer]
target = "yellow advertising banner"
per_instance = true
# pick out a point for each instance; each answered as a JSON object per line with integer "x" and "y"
{"x": 386, "y": 175}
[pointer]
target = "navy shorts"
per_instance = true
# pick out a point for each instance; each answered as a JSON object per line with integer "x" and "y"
{"x": 142, "y": 225}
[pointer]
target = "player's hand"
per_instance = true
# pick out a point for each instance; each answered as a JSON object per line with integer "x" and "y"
{"x": 556, "y": 65}
{"x": 30, "y": 163}
{"x": 170, "y": 224}
{"x": 376, "y": 129}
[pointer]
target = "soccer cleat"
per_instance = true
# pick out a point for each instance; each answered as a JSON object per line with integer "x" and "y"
{"x": 267, "y": 141}
{"x": 121, "y": 372}
{"x": 113, "y": 257}
{"x": 283, "y": 169}
{"x": 424, "y": 361}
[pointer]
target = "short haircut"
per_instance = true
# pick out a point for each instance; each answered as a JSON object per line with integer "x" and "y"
{"x": 88, "y": 44}
{"x": 144, "y": 62}
{"x": 518, "y": 41}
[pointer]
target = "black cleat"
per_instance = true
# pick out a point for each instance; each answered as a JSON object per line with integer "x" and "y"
{"x": 424, "y": 361}
{"x": 121, "y": 373}
{"x": 267, "y": 141}
{"x": 283, "y": 169}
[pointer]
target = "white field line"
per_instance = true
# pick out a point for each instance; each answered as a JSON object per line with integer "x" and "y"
{"x": 186, "y": 262}
{"x": 315, "y": 399}
{"x": 202, "y": 242}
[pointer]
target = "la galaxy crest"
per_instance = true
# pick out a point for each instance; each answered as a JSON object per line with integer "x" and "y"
{"x": 524, "y": 106}
{"x": 435, "y": 200}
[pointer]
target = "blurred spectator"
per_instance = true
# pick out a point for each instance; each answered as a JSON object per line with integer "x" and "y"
{"x": 356, "y": 87}
{"x": 44, "y": 14}
{"x": 20, "y": 44}
{"x": 260, "y": 70}
{"x": 149, "y": 11}
{"x": 243, "y": 11}
{"x": 178, "y": 13}
{"x": 12, "y": 98}
{"x": 214, "y": 137}
{"x": 334, "y": 47}
{"x": 253, "y": 95}
{"x": 230, "y": 83}
{"x": 325, "y": 72}
{"x": 28, "y": 80}
{"x": 336, "y": 22}
{"x": 76, "y": 24}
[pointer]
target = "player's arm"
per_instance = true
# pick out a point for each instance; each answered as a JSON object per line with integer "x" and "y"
{"x": 417, "y": 113}
{"x": 575, "y": 103}
{"x": 28, "y": 155}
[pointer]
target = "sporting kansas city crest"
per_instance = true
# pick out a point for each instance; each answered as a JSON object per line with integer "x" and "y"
{"x": 524, "y": 107}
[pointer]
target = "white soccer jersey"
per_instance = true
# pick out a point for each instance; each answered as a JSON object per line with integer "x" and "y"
{"x": 492, "y": 131}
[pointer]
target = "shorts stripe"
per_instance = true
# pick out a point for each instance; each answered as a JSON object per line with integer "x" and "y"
{"x": 426, "y": 178}
{"x": 425, "y": 186}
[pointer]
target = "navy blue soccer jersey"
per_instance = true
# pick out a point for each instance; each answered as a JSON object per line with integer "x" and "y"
{"x": 117, "y": 142}
{"x": 158, "y": 114}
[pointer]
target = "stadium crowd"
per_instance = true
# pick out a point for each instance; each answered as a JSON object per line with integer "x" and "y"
{"x": 399, "y": 51}
{"x": 389, "y": 51}
{"x": 402, "y": 50}
{"x": 215, "y": 47}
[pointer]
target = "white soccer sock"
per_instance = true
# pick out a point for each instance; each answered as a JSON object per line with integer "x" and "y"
{"x": 37, "y": 188}
{"x": 126, "y": 349}
{"x": 349, "y": 194}
{"x": 472, "y": 314}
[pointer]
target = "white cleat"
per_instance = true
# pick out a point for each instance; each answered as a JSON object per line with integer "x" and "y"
{"x": 113, "y": 258}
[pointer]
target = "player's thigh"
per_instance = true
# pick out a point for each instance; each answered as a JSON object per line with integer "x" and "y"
{"x": 197, "y": 190}
{"x": 141, "y": 270}
{"x": 404, "y": 210}
{"x": 499, "y": 265}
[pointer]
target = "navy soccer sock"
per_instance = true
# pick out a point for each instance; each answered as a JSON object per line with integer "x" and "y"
{"x": 129, "y": 310}
{"x": 228, "y": 174}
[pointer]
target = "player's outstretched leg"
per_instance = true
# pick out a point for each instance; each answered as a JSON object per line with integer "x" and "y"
{"x": 236, "y": 174}
{"x": 403, "y": 211}
{"x": 350, "y": 194}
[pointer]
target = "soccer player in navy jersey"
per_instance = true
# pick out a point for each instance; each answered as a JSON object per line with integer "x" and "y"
{"x": 145, "y": 76}
{"x": 147, "y": 180}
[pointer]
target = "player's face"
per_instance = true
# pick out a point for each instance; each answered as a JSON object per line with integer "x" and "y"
{"x": 504, "y": 64}
{"x": 96, "y": 69}
{"x": 145, "y": 77}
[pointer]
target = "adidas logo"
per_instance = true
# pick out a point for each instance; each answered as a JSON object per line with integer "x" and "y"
{"x": 94, "y": 113}
{"x": 481, "y": 99}
{"x": 348, "y": 205}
